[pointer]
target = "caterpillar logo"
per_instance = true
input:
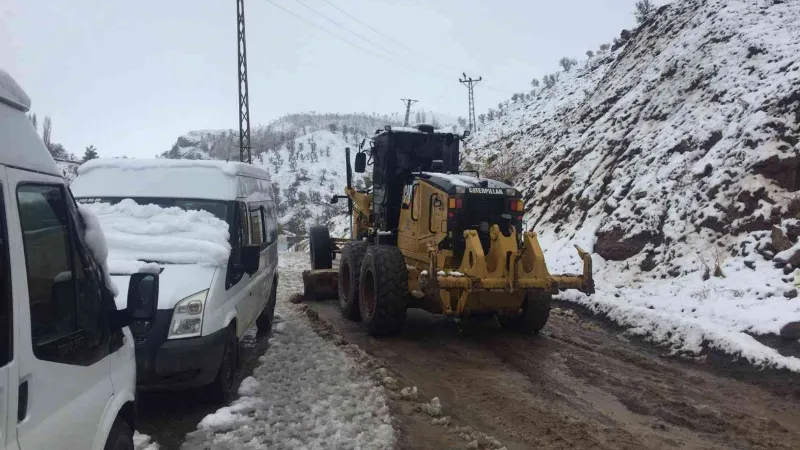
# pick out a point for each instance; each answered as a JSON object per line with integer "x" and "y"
{"x": 490, "y": 191}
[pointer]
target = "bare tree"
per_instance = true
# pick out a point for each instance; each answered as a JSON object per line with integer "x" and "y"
{"x": 644, "y": 8}
{"x": 47, "y": 129}
{"x": 34, "y": 121}
{"x": 550, "y": 80}
{"x": 567, "y": 63}
{"x": 504, "y": 167}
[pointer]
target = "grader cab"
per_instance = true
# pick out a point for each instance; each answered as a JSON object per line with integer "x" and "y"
{"x": 430, "y": 237}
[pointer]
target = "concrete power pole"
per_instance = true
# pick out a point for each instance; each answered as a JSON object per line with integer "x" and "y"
{"x": 244, "y": 97}
{"x": 408, "y": 102}
{"x": 470, "y": 84}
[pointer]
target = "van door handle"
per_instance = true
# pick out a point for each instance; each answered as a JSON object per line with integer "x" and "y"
{"x": 22, "y": 405}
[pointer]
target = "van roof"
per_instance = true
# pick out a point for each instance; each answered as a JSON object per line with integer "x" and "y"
{"x": 169, "y": 178}
{"x": 12, "y": 94}
{"x": 20, "y": 145}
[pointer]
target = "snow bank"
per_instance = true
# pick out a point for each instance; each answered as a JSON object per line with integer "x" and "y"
{"x": 167, "y": 235}
{"x": 306, "y": 394}
{"x": 687, "y": 313}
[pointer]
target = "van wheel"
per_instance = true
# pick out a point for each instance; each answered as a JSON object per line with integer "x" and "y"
{"x": 222, "y": 387}
{"x": 320, "y": 247}
{"x": 383, "y": 290}
{"x": 120, "y": 437}
{"x": 349, "y": 275}
{"x": 267, "y": 316}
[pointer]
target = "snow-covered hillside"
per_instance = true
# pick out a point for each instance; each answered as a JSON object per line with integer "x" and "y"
{"x": 305, "y": 154}
{"x": 675, "y": 158}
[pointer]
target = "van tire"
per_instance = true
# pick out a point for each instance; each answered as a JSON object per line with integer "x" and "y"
{"x": 383, "y": 290}
{"x": 222, "y": 389}
{"x": 120, "y": 437}
{"x": 267, "y": 316}
{"x": 320, "y": 248}
{"x": 349, "y": 275}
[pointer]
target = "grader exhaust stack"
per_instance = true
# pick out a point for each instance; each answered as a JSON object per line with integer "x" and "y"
{"x": 428, "y": 237}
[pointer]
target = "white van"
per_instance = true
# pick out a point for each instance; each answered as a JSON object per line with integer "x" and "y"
{"x": 203, "y": 311}
{"x": 67, "y": 369}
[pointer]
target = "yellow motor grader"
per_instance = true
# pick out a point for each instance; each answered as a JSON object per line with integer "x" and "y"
{"x": 431, "y": 237}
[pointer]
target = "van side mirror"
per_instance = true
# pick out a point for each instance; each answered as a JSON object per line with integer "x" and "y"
{"x": 142, "y": 297}
{"x": 251, "y": 258}
{"x": 360, "y": 165}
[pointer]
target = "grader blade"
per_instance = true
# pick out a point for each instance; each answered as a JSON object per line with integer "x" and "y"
{"x": 320, "y": 284}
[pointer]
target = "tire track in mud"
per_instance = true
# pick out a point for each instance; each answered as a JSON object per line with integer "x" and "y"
{"x": 578, "y": 385}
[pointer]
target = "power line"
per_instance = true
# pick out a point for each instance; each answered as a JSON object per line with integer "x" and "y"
{"x": 470, "y": 84}
{"x": 368, "y": 26}
{"x": 346, "y": 28}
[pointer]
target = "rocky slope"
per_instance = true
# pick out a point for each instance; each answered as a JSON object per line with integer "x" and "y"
{"x": 675, "y": 157}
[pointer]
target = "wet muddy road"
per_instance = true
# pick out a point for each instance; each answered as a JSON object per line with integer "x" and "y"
{"x": 580, "y": 385}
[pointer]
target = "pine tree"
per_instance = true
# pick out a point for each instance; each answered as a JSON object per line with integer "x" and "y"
{"x": 535, "y": 82}
{"x": 90, "y": 153}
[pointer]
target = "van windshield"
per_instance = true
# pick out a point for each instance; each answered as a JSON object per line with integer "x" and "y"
{"x": 216, "y": 207}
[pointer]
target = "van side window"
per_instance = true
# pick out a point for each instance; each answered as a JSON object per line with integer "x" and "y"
{"x": 68, "y": 316}
{"x": 6, "y": 325}
{"x": 256, "y": 225}
{"x": 240, "y": 239}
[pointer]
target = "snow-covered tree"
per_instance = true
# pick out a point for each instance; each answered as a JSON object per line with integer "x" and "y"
{"x": 90, "y": 153}
{"x": 589, "y": 53}
{"x": 605, "y": 47}
{"x": 535, "y": 82}
{"x": 644, "y": 8}
{"x": 567, "y": 63}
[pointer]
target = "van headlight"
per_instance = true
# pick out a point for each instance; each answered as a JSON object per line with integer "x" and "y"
{"x": 187, "y": 318}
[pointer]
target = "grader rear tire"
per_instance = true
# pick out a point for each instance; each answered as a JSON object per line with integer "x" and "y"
{"x": 349, "y": 275}
{"x": 534, "y": 315}
{"x": 383, "y": 289}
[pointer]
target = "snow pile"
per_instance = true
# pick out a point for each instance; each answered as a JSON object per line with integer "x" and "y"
{"x": 307, "y": 393}
{"x": 167, "y": 235}
{"x": 228, "y": 168}
{"x": 96, "y": 241}
{"x": 142, "y": 442}
{"x": 673, "y": 155}
{"x": 69, "y": 169}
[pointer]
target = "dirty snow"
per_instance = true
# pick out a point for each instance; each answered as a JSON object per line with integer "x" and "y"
{"x": 305, "y": 394}
{"x": 670, "y": 154}
{"x": 168, "y": 235}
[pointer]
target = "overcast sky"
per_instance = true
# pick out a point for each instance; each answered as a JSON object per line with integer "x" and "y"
{"x": 131, "y": 76}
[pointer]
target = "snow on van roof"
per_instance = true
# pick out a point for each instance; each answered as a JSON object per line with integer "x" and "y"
{"x": 12, "y": 93}
{"x": 135, "y": 232}
{"x": 228, "y": 168}
{"x": 170, "y": 178}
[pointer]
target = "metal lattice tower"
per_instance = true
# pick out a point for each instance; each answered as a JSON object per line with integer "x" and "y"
{"x": 470, "y": 84}
{"x": 244, "y": 97}
{"x": 408, "y": 102}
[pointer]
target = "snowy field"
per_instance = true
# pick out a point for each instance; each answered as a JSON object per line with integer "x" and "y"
{"x": 306, "y": 394}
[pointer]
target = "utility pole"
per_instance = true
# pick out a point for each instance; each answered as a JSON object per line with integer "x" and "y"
{"x": 244, "y": 96}
{"x": 470, "y": 84}
{"x": 408, "y": 102}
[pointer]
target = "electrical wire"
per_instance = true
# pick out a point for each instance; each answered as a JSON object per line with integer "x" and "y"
{"x": 368, "y": 26}
{"x": 346, "y": 28}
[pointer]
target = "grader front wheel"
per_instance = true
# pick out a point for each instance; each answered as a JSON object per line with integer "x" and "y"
{"x": 534, "y": 315}
{"x": 383, "y": 288}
